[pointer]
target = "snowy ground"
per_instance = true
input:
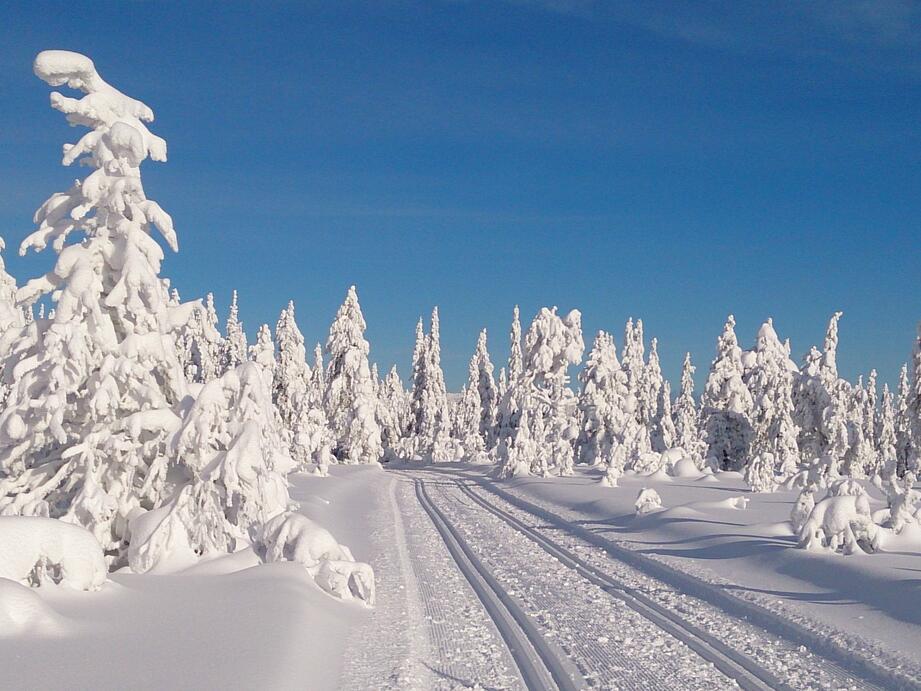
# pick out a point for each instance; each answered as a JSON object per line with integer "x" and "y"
{"x": 502, "y": 585}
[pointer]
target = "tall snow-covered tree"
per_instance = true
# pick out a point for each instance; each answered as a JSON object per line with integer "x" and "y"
{"x": 394, "y": 399}
{"x": 233, "y": 348}
{"x": 486, "y": 390}
{"x": 552, "y": 345}
{"x": 351, "y": 404}
{"x": 903, "y": 427}
{"x": 88, "y": 435}
{"x": 821, "y": 402}
{"x": 262, "y": 352}
{"x": 770, "y": 381}
{"x": 687, "y": 432}
{"x": 12, "y": 319}
{"x": 509, "y": 404}
{"x": 650, "y": 386}
{"x": 663, "y": 430}
{"x": 430, "y": 409}
{"x": 291, "y": 375}
{"x": 726, "y": 404}
{"x": 316, "y": 383}
{"x": 470, "y": 414}
{"x": 913, "y": 425}
{"x": 886, "y": 439}
{"x": 601, "y": 401}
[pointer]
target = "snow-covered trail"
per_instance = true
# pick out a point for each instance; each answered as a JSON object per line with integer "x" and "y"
{"x": 799, "y": 655}
{"x": 428, "y": 629}
{"x": 624, "y": 623}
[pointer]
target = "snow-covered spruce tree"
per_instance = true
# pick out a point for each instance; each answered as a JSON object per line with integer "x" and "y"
{"x": 470, "y": 415}
{"x": 429, "y": 401}
{"x": 552, "y": 344}
{"x": 11, "y": 316}
{"x": 601, "y": 402}
{"x": 509, "y": 403}
{"x": 98, "y": 389}
{"x": 486, "y": 389}
{"x": 316, "y": 382}
{"x": 903, "y": 422}
{"x": 262, "y": 352}
{"x": 821, "y": 403}
{"x": 233, "y": 348}
{"x": 291, "y": 375}
{"x": 393, "y": 399}
{"x": 913, "y": 456}
{"x": 650, "y": 387}
{"x": 632, "y": 360}
{"x": 12, "y": 319}
{"x": 770, "y": 381}
{"x": 861, "y": 454}
{"x": 687, "y": 433}
{"x": 350, "y": 400}
{"x": 422, "y": 418}
{"x": 726, "y": 404}
{"x": 885, "y": 468}
{"x": 199, "y": 343}
{"x": 663, "y": 425}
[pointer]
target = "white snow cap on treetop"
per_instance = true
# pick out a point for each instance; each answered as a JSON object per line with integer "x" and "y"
{"x": 103, "y": 106}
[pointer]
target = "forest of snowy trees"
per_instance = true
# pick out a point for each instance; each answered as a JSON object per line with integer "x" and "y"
{"x": 142, "y": 419}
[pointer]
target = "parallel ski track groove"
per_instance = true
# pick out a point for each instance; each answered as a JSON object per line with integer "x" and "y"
{"x": 746, "y": 673}
{"x": 521, "y": 636}
{"x": 868, "y": 671}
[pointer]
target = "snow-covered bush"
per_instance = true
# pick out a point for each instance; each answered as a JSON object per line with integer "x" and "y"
{"x": 294, "y": 537}
{"x": 35, "y": 550}
{"x": 802, "y": 508}
{"x": 647, "y": 501}
{"x": 841, "y": 522}
{"x": 235, "y": 461}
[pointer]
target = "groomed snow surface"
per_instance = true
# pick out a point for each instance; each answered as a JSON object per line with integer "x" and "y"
{"x": 481, "y": 582}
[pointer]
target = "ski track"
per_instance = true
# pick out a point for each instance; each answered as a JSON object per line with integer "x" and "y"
{"x": 541, "y": 662}
{"x": 427, "y": 630}
{"x": 612, "y": 645}
{"x": 789, "y": 660}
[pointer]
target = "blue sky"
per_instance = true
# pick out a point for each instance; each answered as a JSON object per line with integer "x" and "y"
{"x": 670, "y": 161}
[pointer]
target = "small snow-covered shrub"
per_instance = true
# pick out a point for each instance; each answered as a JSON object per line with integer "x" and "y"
{"x": 803, "y": 506}
{"x": 647, "y": 463}
{"x": 902, "y": 501}
{"x": 759, "y": 473}
{"x": 647, "y": 501}
{"x": 294, "y": 537}
{"x": 36, "y": 550}
{"x": 840, "y": 522}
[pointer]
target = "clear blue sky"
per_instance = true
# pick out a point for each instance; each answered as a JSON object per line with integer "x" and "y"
{"x": 670, "y": 161}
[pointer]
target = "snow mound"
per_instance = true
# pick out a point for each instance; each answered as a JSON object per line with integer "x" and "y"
{"x": 686, "y": 468}
{"x": 294, "y": 537}
{"x": 35, "y": 550}
{"x": 22, "y": 610}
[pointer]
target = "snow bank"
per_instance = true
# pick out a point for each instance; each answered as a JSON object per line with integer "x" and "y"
{"x": 22, "y": 610}
{"x": 36, "y": 550}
